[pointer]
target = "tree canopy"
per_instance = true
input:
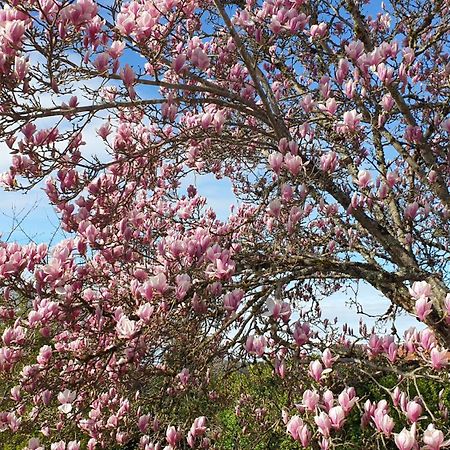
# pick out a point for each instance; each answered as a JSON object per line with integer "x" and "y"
{"x": 331, "y": 121}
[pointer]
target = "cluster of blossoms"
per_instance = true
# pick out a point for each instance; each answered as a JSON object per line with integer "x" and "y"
{"x": 332, "y": 127}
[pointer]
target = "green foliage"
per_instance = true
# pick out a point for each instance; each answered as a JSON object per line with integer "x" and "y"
{"x": 252, "y": 419}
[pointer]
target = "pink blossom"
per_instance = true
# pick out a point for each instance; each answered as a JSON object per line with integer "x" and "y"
{"x": 405, "y": 440}
{"x": 128, "y": 76}
{"x": 337, "y": 417}
{"x": 66, "y": 399}
{"x": 447, "y": 307}
{"x": 307, "y": 103}
{"x": 385, "y": 73}
{"x": 256, "y": 345}
{"x": 274, "y": 208}
{"x": 420, "y": 289}
{"x": 302, "y": 333}
{"x": 278, "y": 309}
{"x": 383, "y": 422}
{"x": 294, "y": 427}
{"x": 173, "y": 436}
{"x": 318, "y": 30}
{"x": 354, "y": 49}
{"x": 329, "y": 162}
{"x": 347, "y": 399}
{"x": 126, "y": 328}
{"x": 159, "y": 283}
{"x": 413, "y": 411}
{"x": 310, "y": 399}
{"x": 387, "y": 102}
{"x": 330, "y": 106}
{"x": 315, "y": 370}
{"x": 364, "y": 179}
{"x": 433, "y": 438}
{"x": 143, "y": 423}
{"x": 423, "y": 308}
{"x": 327, "y": 358}
{"x": 233, "y": 299}
{"x": 351, "y": 121}
{"x": 439, "y": 358}
{"x": 411, "y": 210}
{"x": 446, "y": 125}
{"x": 145, "y": 312}
{"x": 293, "y": 163}
{"x": 276, "y": 162}
{"x": 324, "y": 423}
{"x": 116, "y": 49}
{"x": 199, "y": 58}
{"x": 73, "y": 445}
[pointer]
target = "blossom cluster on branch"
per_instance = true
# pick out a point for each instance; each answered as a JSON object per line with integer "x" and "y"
{"x": 331, "y": 121}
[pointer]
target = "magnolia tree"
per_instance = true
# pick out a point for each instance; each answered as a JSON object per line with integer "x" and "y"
{"x": 331, "y": 121}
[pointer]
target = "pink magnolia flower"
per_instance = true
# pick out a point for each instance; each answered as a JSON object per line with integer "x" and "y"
{"x": 347, "y": 399}
{"x": 354, "y": 49}
{"x": 305, "y": 436}
{"x": 66, "y": 399}
{"x": 385, "y": 73}
{"x": 307, "y": 103}
{"x": 126, "y": 328}
{"x": 383, "y": 422}
{"x": 420, "y": 289}
{"x": 364, "y": 178}
{"x": 143, "y": 423}
{"x": 315, "y": 370}
{"x": 337, "y": 417}
{"x": 128, "y": 76}
{"x": 198, "y": 428}
{"x": 276, "y": 161}
{"x": 199, "y": 58}
{"x": 446, "y": 125}
{"x": 447, "y": 307}
{"x": 328, "y": 399}
{"x": 116, "y": 49}
{"x": 327, "y": 358}
{"x": 387, "y": 102}
{"x": 173, "y": 436}
{"x": 329, "y": 162}
{"x": 330, "y": 106}
{"x": 145, "y": 312}
{"x": 159, "y": 283}
{"x": 178, "y": 63}
{"x": 411, "y": 210}
{"x": 45, "y": 354}
{"x": 310, "y": 399}
{"x": 439, "y": 358}
{"x": 405, "y": 440}
{"x": 293, "y": 163}
{"x": 278, "y": 309}
{"x": 274, "y": 208}
{"x": 256, "y": 345}
{"x": 413, "y": 411}
{"x": 423, "y": 308}
{"x": 302, "y": 333}
{"x": 34, "y": 444}
{"x": 324, "y": 423}
{"x": 73, "y": 445}
{"x": 318, "y": 30}
{"x": 434, "y": 439}
{"x": 350, "y": 123}
{"x": 232, "y": 300}
{"x": 294, "y": 427}
{"x": 184, "y": 376}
